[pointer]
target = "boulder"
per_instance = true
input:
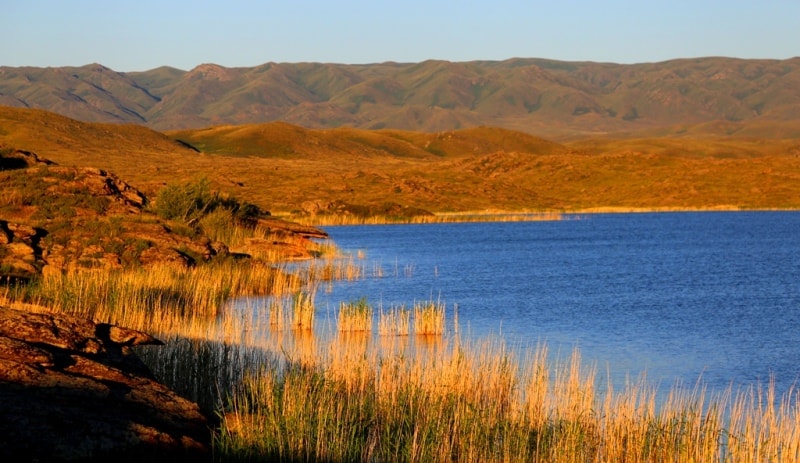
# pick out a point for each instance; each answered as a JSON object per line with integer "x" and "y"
{"x": 73, "y": 390}
{"x": 20, "y": 256}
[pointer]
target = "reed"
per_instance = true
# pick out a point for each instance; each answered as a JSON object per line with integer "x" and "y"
{"x": 429, "y": 318}
{"x": 355, "y": 316}
{"x": 335, "y": 269}
{"x": 303, "y": 311}
{"x": 161, "y": 299}
{"x": 394, "y": 322}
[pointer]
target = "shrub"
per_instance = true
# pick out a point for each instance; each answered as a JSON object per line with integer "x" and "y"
{"x": 187, "y": 202}
{"x": 192, "y": 201}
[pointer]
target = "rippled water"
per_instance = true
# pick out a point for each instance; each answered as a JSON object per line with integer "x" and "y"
{"x": 679, "y": 295}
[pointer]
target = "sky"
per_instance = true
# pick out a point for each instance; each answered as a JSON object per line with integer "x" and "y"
{"x": 144, "y": 34}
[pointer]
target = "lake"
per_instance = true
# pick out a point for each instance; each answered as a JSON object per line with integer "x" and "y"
{"x": 681, "y": 296}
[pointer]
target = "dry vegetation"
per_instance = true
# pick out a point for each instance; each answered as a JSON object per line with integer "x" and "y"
{"x": 352, "y": 176}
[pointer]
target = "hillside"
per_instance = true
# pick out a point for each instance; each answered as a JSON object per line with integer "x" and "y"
{"x": 289, "y": 169}
{"x": 542, "y": 97}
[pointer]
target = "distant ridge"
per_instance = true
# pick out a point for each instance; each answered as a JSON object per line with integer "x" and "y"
{"x": 539, "y": 96}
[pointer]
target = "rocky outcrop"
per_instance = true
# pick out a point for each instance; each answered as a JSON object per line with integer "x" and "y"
{"x": 72, "y": 390}
{"x": 20, "y": 255}
{"x": 277, "y": 225}
{"x": 100, "y": 183}
{"x": 20, "y": 159}
{"x": 89, "y": 219}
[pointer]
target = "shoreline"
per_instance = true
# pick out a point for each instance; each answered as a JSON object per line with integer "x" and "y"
{"x": 490, "y": 215}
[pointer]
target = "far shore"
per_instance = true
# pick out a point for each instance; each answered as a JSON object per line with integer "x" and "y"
{"x": 510, "y": 216}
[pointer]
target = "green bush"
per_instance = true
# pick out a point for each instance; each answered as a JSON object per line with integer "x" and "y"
{"x": 192, "y": 201}
{"x": 187, "y": 203}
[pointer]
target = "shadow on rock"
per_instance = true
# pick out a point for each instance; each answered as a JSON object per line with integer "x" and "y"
{"x": 72, "y": 390}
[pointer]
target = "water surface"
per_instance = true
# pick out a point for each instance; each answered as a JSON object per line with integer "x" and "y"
{"x": 680, "y": 296}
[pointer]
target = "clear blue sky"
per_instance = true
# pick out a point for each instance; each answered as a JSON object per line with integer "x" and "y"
{"x": 144, "y": 34}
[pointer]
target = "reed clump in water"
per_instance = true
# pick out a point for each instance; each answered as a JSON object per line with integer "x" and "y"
{"x": 295, "y": 311}
{"x": 335, "y": 269}
{"x": 429, "y": 318}
{"x": 355, "y": 316}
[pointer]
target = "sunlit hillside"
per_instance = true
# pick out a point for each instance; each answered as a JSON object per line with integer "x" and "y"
{"x": 286, "y": 168}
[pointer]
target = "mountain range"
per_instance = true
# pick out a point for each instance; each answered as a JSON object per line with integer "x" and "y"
{"x": 557, "y": 99}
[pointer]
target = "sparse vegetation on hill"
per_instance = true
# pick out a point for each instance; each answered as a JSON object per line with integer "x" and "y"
{"x": 360, "y": 172}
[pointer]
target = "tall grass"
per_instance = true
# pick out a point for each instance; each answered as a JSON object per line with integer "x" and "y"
{"x": 355, "y": 316}
{"x": 161, "y": 299}
{"x": 394, "y": 322}
{"x": 295, "y": 311}
{"x": 335, "y": 269}
{"x": 429, "y": 318}
{"x": 479, "y": 402}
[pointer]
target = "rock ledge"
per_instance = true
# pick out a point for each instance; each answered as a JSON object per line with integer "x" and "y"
{"x": 72, "y": 390}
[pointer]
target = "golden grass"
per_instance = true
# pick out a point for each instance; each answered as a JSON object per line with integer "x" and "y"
{"x": 162, "y": 299}
{"x": 355, "y": 316}
{"x": 429, "y": 318}
{"x": 295, "y": 311}
{"x": 396, "y": 321}
{"x": 479, "y": 402}
{"x": 335, "y": 269}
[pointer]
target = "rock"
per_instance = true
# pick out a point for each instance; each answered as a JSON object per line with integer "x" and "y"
{"x": 164, "y": 256}
{"x": 72, "y": 390}
{"x": 5, "y": 234}
{"x": 20, "y": 159}
{"x": 220, "y": 249}
{"x": 22, "y": 232}
{"x": 102, "y": 183}
{"x": 20, "y": 256}
{"x": 278, "y": 225}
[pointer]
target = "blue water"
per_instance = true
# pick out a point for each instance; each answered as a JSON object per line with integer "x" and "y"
{"x": 713, "y": 296}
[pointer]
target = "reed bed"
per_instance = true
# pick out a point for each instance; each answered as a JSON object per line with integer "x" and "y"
{"x": 479, "y": 402}
{"x": 444, "y": 217}
{"x": 161, "y": 299}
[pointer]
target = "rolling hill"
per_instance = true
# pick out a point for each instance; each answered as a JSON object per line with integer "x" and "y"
{"x": 288, "y": 169}
{"x": 537, "y": 96}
